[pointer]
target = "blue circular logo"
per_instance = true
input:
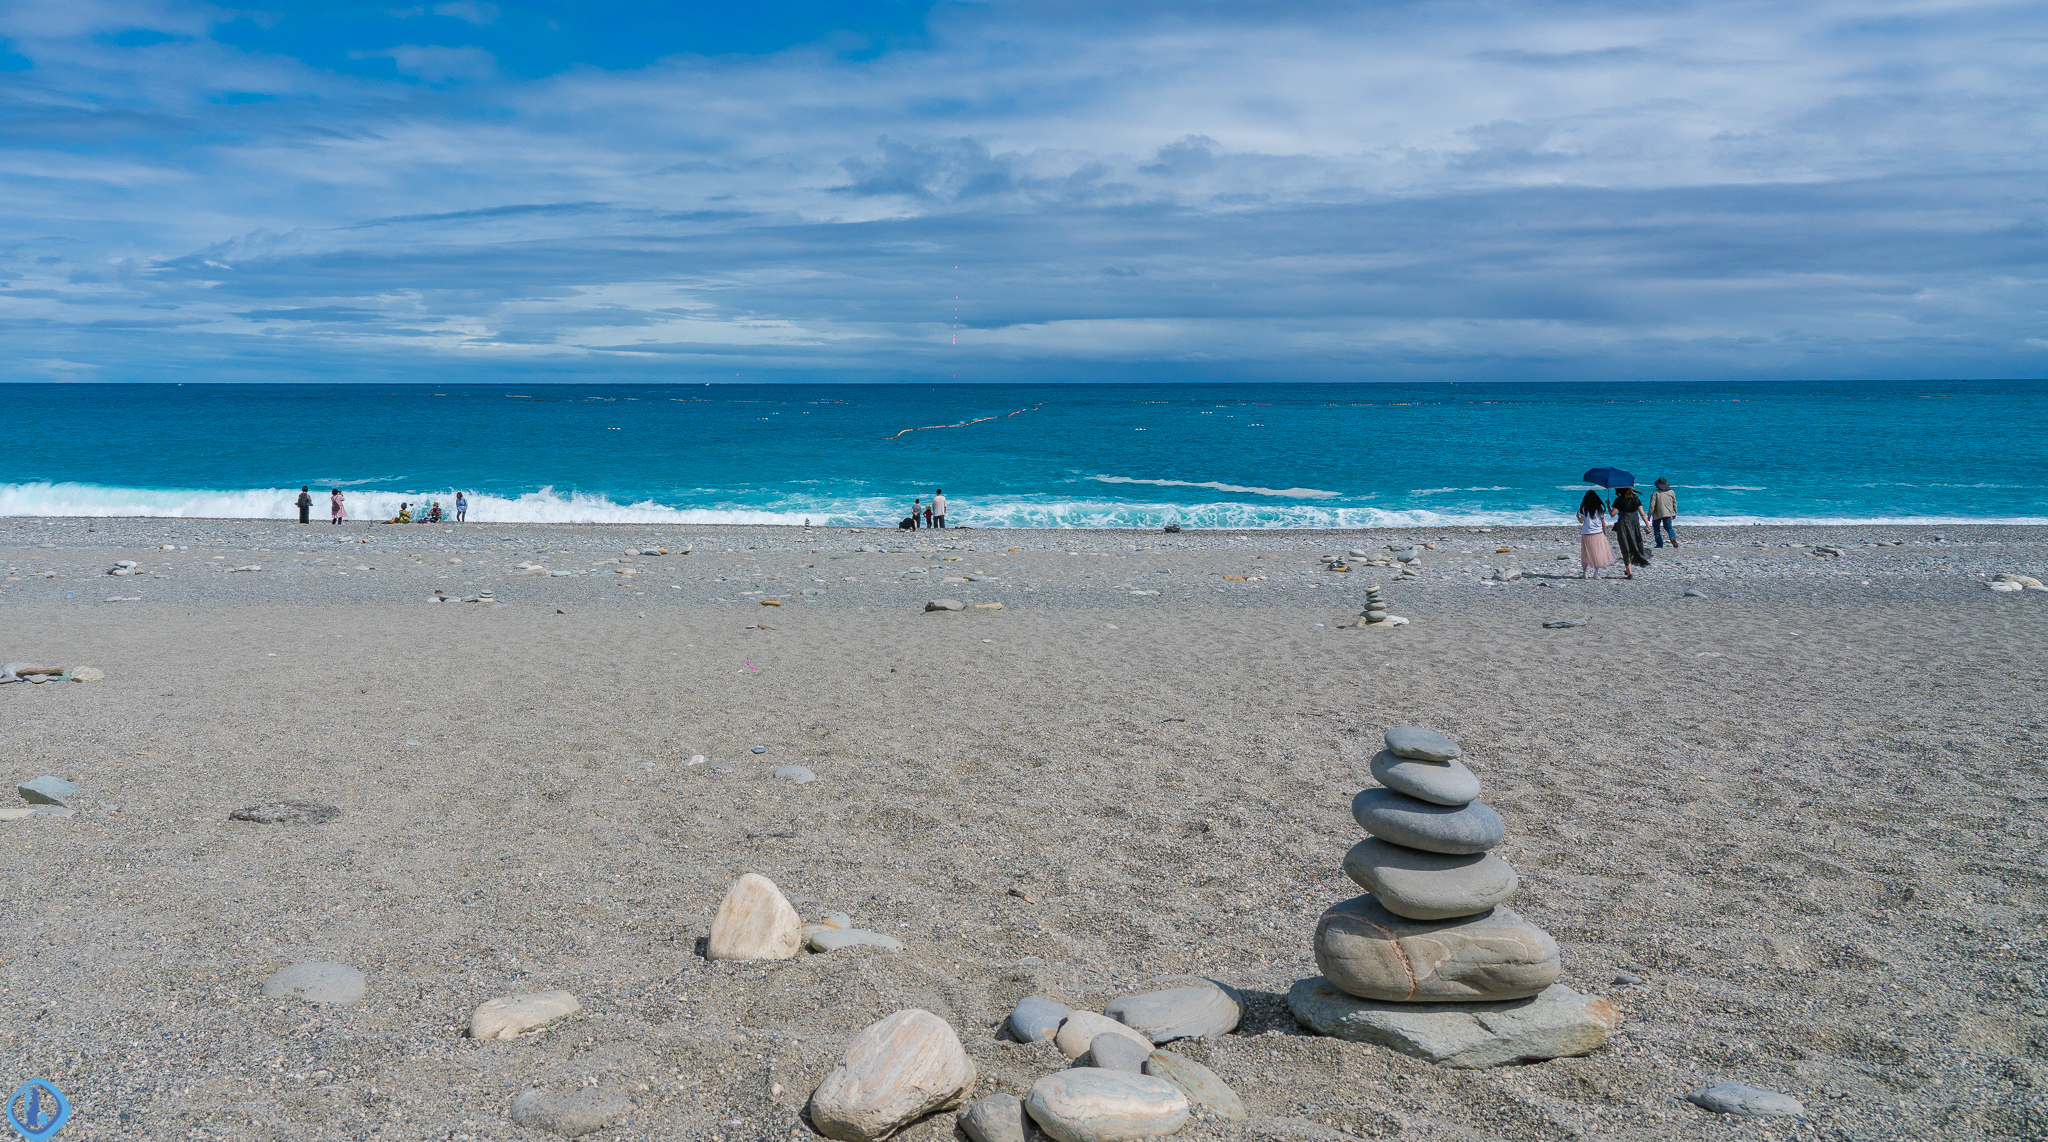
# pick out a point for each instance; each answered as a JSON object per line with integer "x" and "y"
{"x": 31, "y": 1112}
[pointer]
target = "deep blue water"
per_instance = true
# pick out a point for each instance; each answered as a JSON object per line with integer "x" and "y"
{"x": 1239, "y": 455}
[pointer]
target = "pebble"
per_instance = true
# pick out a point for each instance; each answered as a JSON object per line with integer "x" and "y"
{"x": 1746, "y": 1100}
{"x": 1554, "y": 1024}
{"x": 286, "y": 813}
{"x": 1396, "y": 817}
{"x": 1438, "y": 782}
{"x": 317, "y": 982}
{"x": 1113, "y": 1052}
{"x": 1694, "y": 593}
{"x": 1628, "y": 979}
{"x": 997, "y": 1118}
{"x": 1565, "y": 624}
{"x": 47, "y": 790}
{"x": 945, "y": 605}
{"x": 1197, "y": 1008}
{"x": 754, "y": 922}
{"x": 833, "y": 939}
{"x": 1421, "y": 744}
{"x": 796, "y": 773}
{"x": 1208, "y": 1095}
{"x": 1430, "y": 886}
{"x": 570, "y": 1115}
{"x": 1370, "y": 952}
{"x": 1037, "y": 1019}
{"x": 509, "y": 1016}
{"x": 1078, "y": 1033}
{"x": 893, "y": 1073}
{"x": 1091, "y": 1105}
{"x": 760, "y": 749}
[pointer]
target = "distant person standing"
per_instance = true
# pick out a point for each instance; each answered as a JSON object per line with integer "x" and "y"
{"x": 1663, "y": 509}
{"x": 1594, "y": 553}
{"x": 335, "y": 510}
{"x": 939, "y": 506}
{"x": 916, "y": 507}
{"x": 927, "y": 515}
{"x": 461, "y": 508}
{"x": 306, "y": 504}
{"x": 1629, "y": 523}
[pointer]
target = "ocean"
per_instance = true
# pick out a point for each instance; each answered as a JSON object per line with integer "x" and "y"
{"x": 1273, "y": 455}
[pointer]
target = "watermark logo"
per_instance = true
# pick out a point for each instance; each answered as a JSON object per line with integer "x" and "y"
{"x": 37, "y": 1111}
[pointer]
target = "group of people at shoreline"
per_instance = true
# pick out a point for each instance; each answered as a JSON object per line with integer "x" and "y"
{"x": 934, "y": 512}
{"x": 337, "y": 509}
{"x": 1629, "y": 518}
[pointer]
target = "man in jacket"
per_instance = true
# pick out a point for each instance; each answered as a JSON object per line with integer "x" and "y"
{"x": 1663, "y": 509}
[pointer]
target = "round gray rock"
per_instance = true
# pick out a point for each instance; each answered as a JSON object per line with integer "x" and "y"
{"x": 1421, "y": 744}
{"x": 1430, "y": 886}
{"x": 569, "y": 1115}
{"x": 1747, "y": 1101}
{"x": 1437, "y": 782}
{"x": 1118, "y": 1053}
{"x": 1193, "y": 1007}
{"x": 1037, "y": 1019}
{"x": 319, "y": 982}
{"x": 1403, "y": 820}
{"x": 1086, "y": 1104}
{"x": 997, "y": 1118}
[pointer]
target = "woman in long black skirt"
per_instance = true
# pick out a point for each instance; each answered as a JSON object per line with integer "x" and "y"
{"x": 1629, "y": 525}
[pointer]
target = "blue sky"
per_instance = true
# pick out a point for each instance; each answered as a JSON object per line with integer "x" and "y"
{"x": 476, "y": 190}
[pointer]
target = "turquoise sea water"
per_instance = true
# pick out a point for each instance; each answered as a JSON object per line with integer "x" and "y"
{"x": 1268, "y": 455}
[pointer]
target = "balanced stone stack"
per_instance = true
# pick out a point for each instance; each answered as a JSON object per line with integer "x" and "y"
{"x": 1430, "y": 961}
{"x": 1375, "y": 606}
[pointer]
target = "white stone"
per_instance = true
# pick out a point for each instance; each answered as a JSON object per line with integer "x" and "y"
{"x": 833, "y": 939}
{"x": 892, "y": 1074}
{"x": 572, "y": 1115}
{"x": 317, "y": 982}
{"x": 1091, "y": 1105}
{"x": 754, "y": 922}
{"x": 1082, "y": 1027}
{"x": 510, "y": 1016}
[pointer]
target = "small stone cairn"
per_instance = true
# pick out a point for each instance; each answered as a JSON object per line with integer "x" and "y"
{"x": 1430, "y": 961}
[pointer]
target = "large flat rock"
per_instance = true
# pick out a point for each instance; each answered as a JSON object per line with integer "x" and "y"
{"x": 1555, "y": 1024}
{"x": 1374, "y": 954}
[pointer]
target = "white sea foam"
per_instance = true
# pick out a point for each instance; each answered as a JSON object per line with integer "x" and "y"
{"x": 1290, "y": 493}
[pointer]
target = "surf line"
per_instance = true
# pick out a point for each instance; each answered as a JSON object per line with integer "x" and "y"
{"x": 965, "y": 423}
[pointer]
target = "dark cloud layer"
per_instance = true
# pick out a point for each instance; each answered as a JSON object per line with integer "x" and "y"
{"x": 1208, "y": 192}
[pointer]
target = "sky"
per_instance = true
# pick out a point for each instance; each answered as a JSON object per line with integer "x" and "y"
{"x": 893, "y": 190}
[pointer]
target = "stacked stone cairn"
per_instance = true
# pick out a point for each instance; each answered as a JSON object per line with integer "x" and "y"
{"x": 1430, "y": 961}
{"x": 1376, "y": 610}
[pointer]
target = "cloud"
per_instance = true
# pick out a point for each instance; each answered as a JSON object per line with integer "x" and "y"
{"x": 1185, "y": 191}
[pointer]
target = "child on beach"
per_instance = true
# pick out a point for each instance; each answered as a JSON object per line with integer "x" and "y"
{"x": 1594, "y": 553}
{"x": 335, "y": 510}
{"x": 461, "y": 508}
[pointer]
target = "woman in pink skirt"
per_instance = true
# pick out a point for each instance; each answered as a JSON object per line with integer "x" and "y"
{"x": 335, "y": 510}
{"x": 1594, "y": 553}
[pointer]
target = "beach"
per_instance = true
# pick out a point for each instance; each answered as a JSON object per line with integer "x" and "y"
{"x": 1803, "y": 808}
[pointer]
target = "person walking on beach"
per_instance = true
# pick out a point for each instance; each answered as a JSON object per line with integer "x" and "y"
{"x": 461, "y": 508}
{"x": 1629, "y": 522}
{"x": 1594, "y": 553}
{"x": 306, "y": 504}
{"x": 1663, "y": 509}
{"x": 939, "y": 506}
{"x": 335, "y": 510}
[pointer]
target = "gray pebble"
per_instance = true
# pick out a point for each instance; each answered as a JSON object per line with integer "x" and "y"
{"x": 286, "y": 813}
{"x": 1438, "y": 782}
{"x": 834, "y": 939}
{"x": 1403, "y": 820}
{"x": 1037, "y": 1019}
{"x": 1179, "y": 1007}
{"x": 1747, "y": 1101}
{"x": 1565, "y": 624}
{"x": 1422, "y": 744}
{"x": 48, "y": 790}
{"x": 1695, "y": 593}
{"x": 1627, "y": 979}
{"x": 997, "y": 1118}
{"x": 317, "y": 982}
{"x": 569, "y": 1115}
{"x": 760, "y": 749}
{"x": 1118, "y": 1053}
{"x": 796, "y": 773}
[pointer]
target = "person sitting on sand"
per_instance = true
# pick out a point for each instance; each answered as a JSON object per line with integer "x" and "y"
{"x": 404, "y": 514}
{"x": 1629, "y": 522}
{"x": 1593, "y": 550}
{"x": 434, "y": 513}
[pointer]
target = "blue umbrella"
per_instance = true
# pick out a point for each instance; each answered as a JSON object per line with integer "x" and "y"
{"x": 1609, "y": 478}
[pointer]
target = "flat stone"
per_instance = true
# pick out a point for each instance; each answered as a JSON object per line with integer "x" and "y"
{"x": 1368, "y": 951}
{"x": 1565, "y": 624}
{"x": 89, "y": 673}
{"x": 317, "y": 982}
{"x": 570, "y": 1115}
{"x": 796, "y": 773}
{"x": 1421, "y": 744}
{"x": 1087, "y": 1104}
{"x": 1078, "y": 1033}
{"x": 16, "y": 812}
{"x": 48, "y": 790}
{"x": 510, "y": 1016}
{"x": 833, "y": 939}
{"x": 892, "y": 1074}
{"x": 1746, "y": 1100}
{"x": 1195, "y": 1008}
{"x": 286, "y": 813}
{"x": 997, "y": 1118}
{"x": 1208, "y": 1095}
{"x": 1114, "y": 1052}
{"x": 1694, "y": 593}
{"x": 1556, "y": 1023}
{"x": 1403, "y": 820}
{"x": 945, "y": 605}
{"x": 1437, "y": 782}
{"x": 1430, "y": 886}
{"x": 1036, "y": 1019}
{"x": 754, "y": 922}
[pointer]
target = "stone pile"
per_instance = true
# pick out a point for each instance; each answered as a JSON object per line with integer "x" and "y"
{"x": 1376, "y": 610}
{"x": 1430, "y": 961}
